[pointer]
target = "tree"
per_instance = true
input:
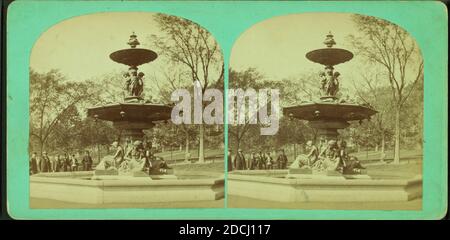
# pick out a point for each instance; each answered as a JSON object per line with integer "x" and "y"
{"x": 193, "y": 47}
{"x": 396, "y": 54}
{"x": 372, "y": 92}
{"x": 302, "y": 87}
{"x": 291, "y": 131}
{"x": 175, "y": 78}
{"x": 52, "y": 102}
{"x": 249, "y": 78}
{"x": 94, "y": 133}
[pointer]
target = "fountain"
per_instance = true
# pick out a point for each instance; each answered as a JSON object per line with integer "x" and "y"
{"x": 322, "y": 181}
{"x": 126, "y": 181}
{"x": 330, "y": 113}
{"x": 134, "y": 114}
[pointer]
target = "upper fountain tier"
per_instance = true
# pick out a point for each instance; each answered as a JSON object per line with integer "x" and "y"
{"x": 134, "y": 113}
{"x": 329, "y": 56}
{"x": 133, "y": 56}
{"x": 330, "y": 109}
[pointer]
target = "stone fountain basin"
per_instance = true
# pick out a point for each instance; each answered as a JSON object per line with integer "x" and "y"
{"x": 272, "y": 185}
{"x": 79, "y": 188}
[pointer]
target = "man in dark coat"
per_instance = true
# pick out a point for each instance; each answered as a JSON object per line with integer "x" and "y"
{"x": 240, "y": 161}
{"x": 67, "y": 163}
{"x": 33, "y": 164}
{"x": 87, "y": 162}
{"x": 60, "y": 164}
{"x": 230, "y": 162}
{"x": 253, "y": 162}
{"x": 282, "y": 160}
{"x": 262, "y": 160}
{"x": 45, "y": 162}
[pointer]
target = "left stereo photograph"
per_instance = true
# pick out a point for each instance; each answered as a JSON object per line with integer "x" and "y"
{"x": 126, "y": 111}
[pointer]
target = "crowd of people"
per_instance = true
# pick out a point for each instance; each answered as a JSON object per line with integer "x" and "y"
{"x": 134, "y": 155}
{"x": 59, "y": 163}
{"x": 257, "y": 160}
{"x": 329, "y": 155}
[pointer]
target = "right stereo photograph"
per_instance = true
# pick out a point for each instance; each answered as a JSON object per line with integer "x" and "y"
{"x": 325, "y": 112}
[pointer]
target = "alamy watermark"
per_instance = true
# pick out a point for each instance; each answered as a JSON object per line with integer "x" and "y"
{"x": 244, "y": 107}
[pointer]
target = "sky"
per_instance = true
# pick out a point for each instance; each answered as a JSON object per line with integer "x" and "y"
{"x": 277, "y": 46}
{"x": 79, "y": 47}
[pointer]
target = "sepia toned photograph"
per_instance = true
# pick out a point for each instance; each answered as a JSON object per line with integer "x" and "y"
{"x": 101, "y": 103}
{"x": 347, "y": 98}
{"x": 238, "y": 110}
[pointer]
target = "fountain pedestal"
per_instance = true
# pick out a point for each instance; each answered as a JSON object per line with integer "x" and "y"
{"x": 133, "y": 130}
{"x": 328, "y": 129}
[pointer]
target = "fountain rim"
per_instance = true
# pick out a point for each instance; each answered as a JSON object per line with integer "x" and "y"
{"x": 329, "y": 103}
{"x": 346, "y": 55}
{"x": 149, "y": 54}
{"x": 129, "y": 103}
{"x": 162, "y": 112}
{"x": 291, "y": 109}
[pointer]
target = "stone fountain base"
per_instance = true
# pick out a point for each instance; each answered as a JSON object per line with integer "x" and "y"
{"x": 80, "y": 187}
{"x": 273, "y": 185}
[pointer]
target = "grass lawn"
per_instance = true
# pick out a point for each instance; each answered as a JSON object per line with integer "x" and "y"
{"x": 216, "y": 167}
{"x": 177, "y": 154}
{"x": 400, "y": 171}
{"x": 405, "y": 155}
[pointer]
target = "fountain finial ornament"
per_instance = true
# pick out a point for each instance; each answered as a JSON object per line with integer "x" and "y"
{"x": 133, "y": 42}
{"x": 329, "y": 41}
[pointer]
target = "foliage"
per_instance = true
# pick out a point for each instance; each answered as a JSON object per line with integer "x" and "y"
{"x": 247, "y": 135}
{"x": 395, "y": 54}
{"x": 54, "y": 104}
{"x": 192, "y": 50}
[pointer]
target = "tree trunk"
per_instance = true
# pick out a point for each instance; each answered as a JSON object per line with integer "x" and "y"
{"x": 295, "y": 151}
{"x": 382, "y": 147}
{"x": 397, "y": 137}
{"x": 238, "y": 144}
{"x": 201, "y": 138}
{"x": 186, "y": 152}
{"x": 98, "y": 152}
{"x": 41, "y": 146}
